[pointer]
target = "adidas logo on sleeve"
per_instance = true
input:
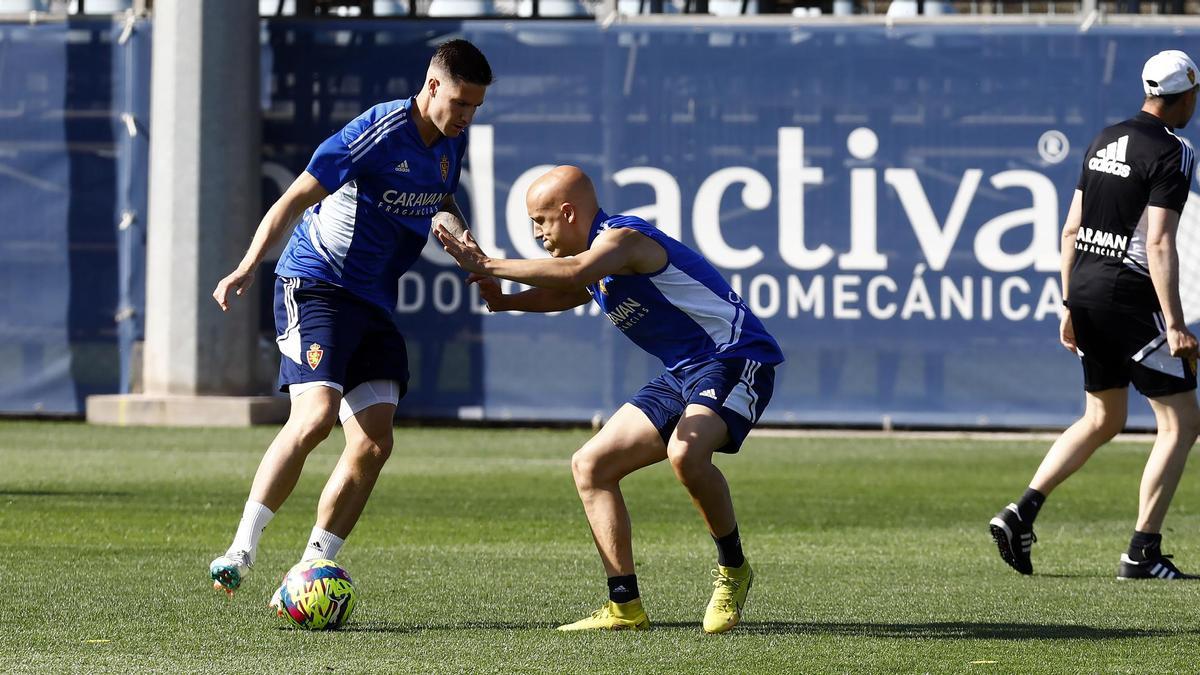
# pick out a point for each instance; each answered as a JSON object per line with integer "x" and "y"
{"x": 1111, "y": 158}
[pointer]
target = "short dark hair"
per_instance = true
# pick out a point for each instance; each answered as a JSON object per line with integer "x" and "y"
{"x": 464, "y": 62}
{"x": 1168, "y": 100}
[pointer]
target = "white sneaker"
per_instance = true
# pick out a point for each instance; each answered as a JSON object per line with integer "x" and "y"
{"x": 230, "y": 570}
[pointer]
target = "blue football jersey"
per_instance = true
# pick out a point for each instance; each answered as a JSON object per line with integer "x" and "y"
{"x": 384, "y": 186}
{"x": 685, "y": 313}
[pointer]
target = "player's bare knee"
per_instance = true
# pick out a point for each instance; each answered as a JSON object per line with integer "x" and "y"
{"x": 1189, "y": 434}
{"x": 1112, "y": 426}
{"x": 1184, "y": 428}
{"x": 688, "y": 461}
{"x": 1105, "y": 424}
{"x": 375, "y": 451}
{"x": 1191, "y": 421}
{"x": 312, "y": 428}
{"x": 584, "y": 469}
{"x": 380, "y": 449}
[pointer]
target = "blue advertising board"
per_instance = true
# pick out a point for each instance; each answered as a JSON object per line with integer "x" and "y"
{"x": 887, "y": 200}
{"x": 74, "y": 99}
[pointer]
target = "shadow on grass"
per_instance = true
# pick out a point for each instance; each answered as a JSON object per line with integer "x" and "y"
{"x": 935, "y": 631}
{"x": 951, "y": 630}
{"x": 391, "y": 627}
{"x": 61, "y": 493}
{"x": 1065, "y": 575}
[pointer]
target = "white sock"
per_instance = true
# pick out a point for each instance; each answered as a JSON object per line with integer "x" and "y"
{"x": 322, "y": 544}
{"x": 254, "y": 520}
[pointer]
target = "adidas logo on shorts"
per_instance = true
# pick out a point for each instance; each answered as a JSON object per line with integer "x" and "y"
{"x": 1111, "y": 158}
{"x": 709, "y": 393}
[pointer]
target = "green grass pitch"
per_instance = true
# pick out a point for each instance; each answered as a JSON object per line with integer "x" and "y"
{"x": 872, "y": 556}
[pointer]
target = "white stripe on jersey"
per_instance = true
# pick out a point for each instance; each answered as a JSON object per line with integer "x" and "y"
{"x": 376, "y": 126}
{"x": 1187, "y": 157}
{"x": 314, "y": 237}
{"x": 736, "y": 333}
{"x": 332, "y": 229}
{"x": 1135, "y": 253}
{"x": 289, "y": 341}
{"x": 721, "y": 319}
{"x": 358, "y": 153}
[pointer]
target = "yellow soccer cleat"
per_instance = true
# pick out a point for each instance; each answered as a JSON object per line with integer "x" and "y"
{"x": 731, "y": 585}
{"x": 613, "y": 616}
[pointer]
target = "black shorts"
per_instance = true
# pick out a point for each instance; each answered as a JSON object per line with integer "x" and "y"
{"x": 1122, "y": 347}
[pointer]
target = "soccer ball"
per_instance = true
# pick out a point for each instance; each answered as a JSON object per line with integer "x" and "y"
{"x": 317, "y": 595}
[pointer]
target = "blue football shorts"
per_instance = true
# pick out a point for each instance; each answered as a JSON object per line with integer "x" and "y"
{"x": 736, "y": 389}
{"x": 328, "y": 335}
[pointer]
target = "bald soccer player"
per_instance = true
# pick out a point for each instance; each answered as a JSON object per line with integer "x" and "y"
{"x": 720, "y": 373}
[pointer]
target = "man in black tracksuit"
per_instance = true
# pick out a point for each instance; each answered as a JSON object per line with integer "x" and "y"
{"x": 1124, "y": 318}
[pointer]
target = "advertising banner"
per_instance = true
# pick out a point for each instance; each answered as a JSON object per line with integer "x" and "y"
{"x": 888, "y": 200}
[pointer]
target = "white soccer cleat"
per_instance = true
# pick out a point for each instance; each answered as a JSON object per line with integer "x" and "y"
{"x": 229, "y": 571}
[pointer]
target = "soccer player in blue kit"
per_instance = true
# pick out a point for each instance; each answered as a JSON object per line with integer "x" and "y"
{"x": 720, "y": 374}
{"x": 365, "y": 205}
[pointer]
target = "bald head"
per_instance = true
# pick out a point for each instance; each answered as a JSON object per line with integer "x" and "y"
{"x": 562, "y": 204}
{"x": 562, "y": 184}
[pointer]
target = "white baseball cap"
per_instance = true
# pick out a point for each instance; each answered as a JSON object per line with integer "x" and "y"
{"x": 1169, "y": 72}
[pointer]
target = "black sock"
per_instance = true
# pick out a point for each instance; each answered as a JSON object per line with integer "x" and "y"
{"x": 1029, "y": 505}
{"x": 1144, "y": 546}
{"x": 729, "y": 549}
{"x": 623, "y": 589}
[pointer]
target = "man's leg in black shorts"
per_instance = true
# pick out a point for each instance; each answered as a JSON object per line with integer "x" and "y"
{"x": 1178, "y": 420}
{"x": 1103, "y": 418}
{"x": 1106, "y": 375}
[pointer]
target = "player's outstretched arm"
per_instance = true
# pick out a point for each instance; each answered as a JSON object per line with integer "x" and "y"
{"x": 1163, "y": 258}
{"x": 613, "y": 252}
{"x": 303, "y": 193}
{"x": 531, "y": 300}
{"x": 450, "y": 218}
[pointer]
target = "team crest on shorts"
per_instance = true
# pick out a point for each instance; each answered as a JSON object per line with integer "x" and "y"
{"x": 445, "y": 168}
{"x": 603, "y": 287}
{"x": 314, "y": 355}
